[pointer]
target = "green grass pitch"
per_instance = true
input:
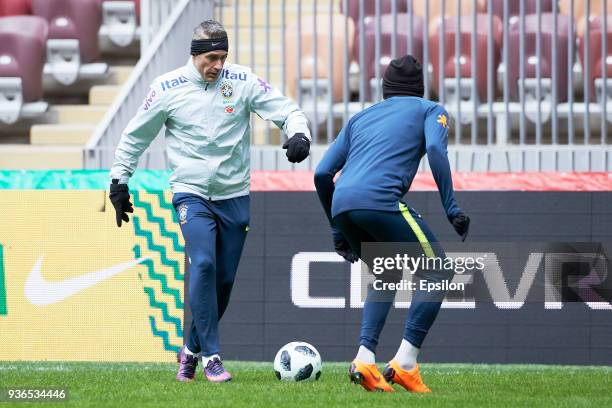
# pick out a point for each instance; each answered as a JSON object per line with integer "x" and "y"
{"x": 254, "y": 385}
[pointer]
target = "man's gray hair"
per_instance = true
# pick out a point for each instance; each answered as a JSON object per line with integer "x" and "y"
{"x": 209, "y": 29}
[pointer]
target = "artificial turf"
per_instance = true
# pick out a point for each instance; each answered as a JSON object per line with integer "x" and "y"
{"x": 254, "y": 385}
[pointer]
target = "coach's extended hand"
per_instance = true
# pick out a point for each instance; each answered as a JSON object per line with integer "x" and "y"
{"x": 343, "y": 248}
{"x": 120, "y": 197}
{"x": 298, "y": 147}
{"x": 461, "y": 224}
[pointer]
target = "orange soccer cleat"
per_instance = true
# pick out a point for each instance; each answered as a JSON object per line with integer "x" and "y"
{"x": 368, "y": 376}
{"x": 409, "y": 379}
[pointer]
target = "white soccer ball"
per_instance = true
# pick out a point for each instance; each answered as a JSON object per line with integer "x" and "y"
{"x": 297, "y": 361}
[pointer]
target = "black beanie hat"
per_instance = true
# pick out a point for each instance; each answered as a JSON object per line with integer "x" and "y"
{"x": 403, "y": 77}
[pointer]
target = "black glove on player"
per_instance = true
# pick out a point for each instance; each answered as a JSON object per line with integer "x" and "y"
{"x": 120, "y": 197}
{"x": 343, "y": 248}
{"x": 298, "y": 147}
{"x": 461, "y": 224}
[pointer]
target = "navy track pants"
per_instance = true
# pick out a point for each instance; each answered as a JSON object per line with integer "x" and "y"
{"x": 404, "y": 225}
{"x": 214, "y": 233}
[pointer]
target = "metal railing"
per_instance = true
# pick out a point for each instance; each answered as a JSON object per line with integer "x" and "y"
{"x": 153, "y": 15}
{"x": 472, "y": 158}
{"x": 523, "y": 99}
{"x": 518, "y": 74}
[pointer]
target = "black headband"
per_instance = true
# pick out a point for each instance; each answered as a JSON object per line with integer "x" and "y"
{"x": 209, "y": 44}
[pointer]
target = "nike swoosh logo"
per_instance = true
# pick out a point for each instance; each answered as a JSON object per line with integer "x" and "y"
{"x": 215, "y": 44}
{"x": 41, "y": 292}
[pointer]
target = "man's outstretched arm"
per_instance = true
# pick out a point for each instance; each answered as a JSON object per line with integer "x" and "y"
{"x": 332, "y": 162}
{"x": 136, "y": 137}
{"x": 270, "y": 104}
{"x": 436, "y": 142}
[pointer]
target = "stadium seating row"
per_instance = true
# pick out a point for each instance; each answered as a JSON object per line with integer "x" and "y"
{"x": 59, "y": 38}
{"x": 542, "y": 26}
{"x": 119, "y": 17}
{"x": 436, "y": 8}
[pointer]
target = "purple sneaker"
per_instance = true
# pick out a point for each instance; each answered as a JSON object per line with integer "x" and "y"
{"x": 215, "y": 372}
{"x": 187, "y": 367}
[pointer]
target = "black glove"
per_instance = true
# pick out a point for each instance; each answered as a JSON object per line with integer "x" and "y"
{"x": 298, "y": 147}
{"x": 120, "y": 197}
{"x": 343, "y": 248}
{"x": 461, "y": 224}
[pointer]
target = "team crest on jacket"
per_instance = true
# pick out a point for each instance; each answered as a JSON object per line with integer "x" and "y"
{"x": 183, "y": 213}
{"x": 227, "y": 90}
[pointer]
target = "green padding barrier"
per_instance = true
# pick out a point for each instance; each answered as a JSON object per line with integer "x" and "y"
{"x": 78, "y": 180}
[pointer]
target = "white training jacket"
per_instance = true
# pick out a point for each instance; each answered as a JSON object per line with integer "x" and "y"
{"x": 207, "y": 128}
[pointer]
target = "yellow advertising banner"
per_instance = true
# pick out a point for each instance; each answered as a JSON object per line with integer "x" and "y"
{"x": 74, "y": 286}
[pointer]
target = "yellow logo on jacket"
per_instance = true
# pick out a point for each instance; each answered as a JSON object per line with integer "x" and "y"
{"x": 442, "y": 120}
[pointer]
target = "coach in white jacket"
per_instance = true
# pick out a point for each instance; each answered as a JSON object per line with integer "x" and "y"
{"x": 206, "y": 106}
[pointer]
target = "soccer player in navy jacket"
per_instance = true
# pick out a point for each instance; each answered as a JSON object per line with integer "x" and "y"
{"x": 378, "y": 153}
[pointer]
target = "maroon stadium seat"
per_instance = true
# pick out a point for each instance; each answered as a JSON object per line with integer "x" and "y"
{"x": 73, "y": 19}
{"x": 448, "y": 63}
{"x": 596, "y": 56}
{"x": 136, "y": 5}
{"x": 369, "y": 9}
{"x": 73, "y": 36}
{"x": 119, "y": 21}
{"x": 595, "y": 9}
{"x": 369, "y": 13}
{"x": 450, "y": 9}
{"x": 22, "y": 57}
{"x": 386, "y": 51}
{"x": 531, "y": 29}
{"x": 15, "y": 7}
{"x": 306, "y": 59}
{"x": 514, "y": 7}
